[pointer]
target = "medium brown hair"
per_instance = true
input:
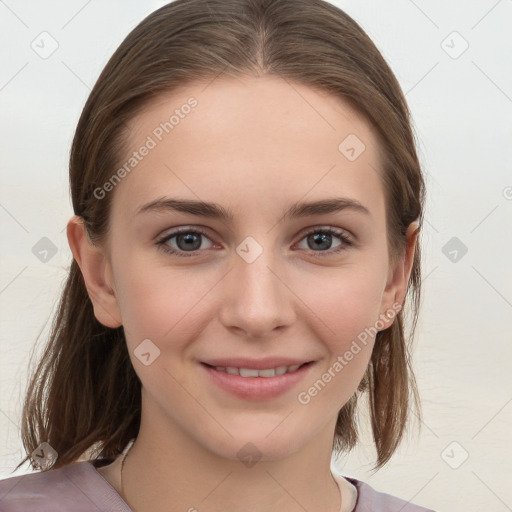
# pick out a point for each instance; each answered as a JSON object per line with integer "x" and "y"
{"x": 84, "y": 396}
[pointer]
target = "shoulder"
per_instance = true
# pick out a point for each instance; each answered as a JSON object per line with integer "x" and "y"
{"x": 371, "y": 500}
{"x": 77, "y": 487}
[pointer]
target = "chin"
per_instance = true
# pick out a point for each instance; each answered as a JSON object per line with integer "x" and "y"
{"x": 261, "y": 447}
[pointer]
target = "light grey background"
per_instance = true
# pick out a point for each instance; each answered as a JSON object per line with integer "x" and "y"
{"x": 461, "y": 106}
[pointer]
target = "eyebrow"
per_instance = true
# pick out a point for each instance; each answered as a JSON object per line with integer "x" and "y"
{"x": 216, "y": 211}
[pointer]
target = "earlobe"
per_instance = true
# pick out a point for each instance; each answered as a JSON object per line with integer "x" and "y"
{"x": 396, "y": 287}
{"x": 95, "y": 267}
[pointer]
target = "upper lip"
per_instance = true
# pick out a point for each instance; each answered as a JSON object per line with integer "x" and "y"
{"x": 256, "y": 364}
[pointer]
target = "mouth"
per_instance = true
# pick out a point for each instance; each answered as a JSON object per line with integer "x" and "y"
{"x": 256, "y": 383}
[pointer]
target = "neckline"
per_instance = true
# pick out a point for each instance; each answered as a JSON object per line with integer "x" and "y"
{"x": 347, "y": 487}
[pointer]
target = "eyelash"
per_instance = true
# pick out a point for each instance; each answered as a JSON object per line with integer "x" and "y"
{"x": 346, "y": 241}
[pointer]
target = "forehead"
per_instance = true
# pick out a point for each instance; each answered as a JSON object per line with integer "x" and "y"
{"x": 250, "y": 144}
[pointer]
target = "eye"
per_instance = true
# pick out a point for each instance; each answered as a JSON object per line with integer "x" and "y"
{"x": 187, "y": 241}
{"x": 322, "y": 238}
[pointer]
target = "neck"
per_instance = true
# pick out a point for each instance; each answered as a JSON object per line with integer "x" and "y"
{"x": 172, "y": 473}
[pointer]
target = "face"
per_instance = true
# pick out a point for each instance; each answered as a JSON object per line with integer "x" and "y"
{"x": 268, "y": 284}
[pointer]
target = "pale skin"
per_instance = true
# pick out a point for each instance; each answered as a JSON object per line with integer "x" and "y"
{"x": 254, "y": 146}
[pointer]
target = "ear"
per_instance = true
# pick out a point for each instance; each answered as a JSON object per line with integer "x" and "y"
{"x": 396, "y": 286}
{"x": 96, "y": 270}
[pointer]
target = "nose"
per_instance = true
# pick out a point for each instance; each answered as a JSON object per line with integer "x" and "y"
{"x": 257, "y": 299}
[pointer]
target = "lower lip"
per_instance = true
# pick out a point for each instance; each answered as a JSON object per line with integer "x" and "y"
{"x": 257, "y": 388}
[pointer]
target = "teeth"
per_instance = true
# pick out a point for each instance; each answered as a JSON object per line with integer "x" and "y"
{"x": 250, "y": 372}
{"x": 246, "y": 372}
{"x": 281, "y": 369}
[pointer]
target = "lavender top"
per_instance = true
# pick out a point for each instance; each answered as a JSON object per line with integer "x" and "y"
{"x": 79, "y": 487}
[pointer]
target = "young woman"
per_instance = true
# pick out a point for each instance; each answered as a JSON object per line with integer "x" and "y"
{"x": 247, "y": 201}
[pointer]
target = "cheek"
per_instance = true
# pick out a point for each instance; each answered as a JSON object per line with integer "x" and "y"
{"x": 165, "y": 307}
{"x": 157, "y": 302}
{"x": 345, "y": 301}
{"x": 344, "y": 308}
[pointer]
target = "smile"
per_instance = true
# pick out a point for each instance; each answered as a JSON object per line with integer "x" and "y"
{"x": 256, "y": 384}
